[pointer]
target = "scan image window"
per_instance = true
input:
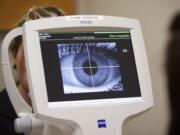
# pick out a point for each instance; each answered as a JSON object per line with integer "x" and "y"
{"x": 89, "y": 67}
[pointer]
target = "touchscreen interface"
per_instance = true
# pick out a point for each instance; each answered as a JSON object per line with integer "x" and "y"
{"x": 89, "y": 65}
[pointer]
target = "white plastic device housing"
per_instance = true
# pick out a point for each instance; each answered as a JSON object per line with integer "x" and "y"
{"x": 82, "y": 115}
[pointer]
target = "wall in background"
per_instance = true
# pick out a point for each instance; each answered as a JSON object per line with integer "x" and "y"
{"x": 14, "y": 10}
{"x": 154, "y": 16}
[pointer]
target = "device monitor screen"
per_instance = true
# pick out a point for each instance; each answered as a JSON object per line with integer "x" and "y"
{"x": 89, "y": 65}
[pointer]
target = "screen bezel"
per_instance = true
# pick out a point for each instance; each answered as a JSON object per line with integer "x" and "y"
{"x": 128, "y": 68}
{"x": 36, "y": 75}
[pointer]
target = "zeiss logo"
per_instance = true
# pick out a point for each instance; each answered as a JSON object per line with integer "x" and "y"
{"x": 86, "y": 22}
{"x": 101, "y": 123}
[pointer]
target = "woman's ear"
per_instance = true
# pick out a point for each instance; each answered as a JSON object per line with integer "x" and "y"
{"x": 12, "y": 60}
{"x": 14, "y": 66}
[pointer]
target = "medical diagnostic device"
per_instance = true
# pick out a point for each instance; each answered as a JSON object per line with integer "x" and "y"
{"x": 87, "y": 72}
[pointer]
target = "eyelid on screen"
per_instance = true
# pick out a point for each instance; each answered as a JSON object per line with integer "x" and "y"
{"x": 87, "y": 67}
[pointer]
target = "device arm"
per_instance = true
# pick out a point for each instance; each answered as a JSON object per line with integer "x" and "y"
{"x": 16, "y": 99}
{"x": 28, "y": 125}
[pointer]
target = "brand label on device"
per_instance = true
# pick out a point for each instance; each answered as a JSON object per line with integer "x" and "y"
{"x": 101, "y": 123}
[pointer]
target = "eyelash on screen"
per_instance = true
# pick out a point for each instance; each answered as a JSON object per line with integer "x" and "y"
{"x": 98, "y": 48}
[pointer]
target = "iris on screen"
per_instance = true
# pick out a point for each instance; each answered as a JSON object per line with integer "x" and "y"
{"x": 89, "y": 67}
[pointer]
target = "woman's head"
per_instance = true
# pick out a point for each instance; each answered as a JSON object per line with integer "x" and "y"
{"x": 16, "y": 46}
{"x": 34, "y": 13}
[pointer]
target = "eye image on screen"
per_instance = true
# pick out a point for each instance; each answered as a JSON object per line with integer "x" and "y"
{"x": 89, "y": 67}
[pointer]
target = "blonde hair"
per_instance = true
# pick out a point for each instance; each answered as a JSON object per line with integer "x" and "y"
{"x": 36, "y": 12}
